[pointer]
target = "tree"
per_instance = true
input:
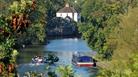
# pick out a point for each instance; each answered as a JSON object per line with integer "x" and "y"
{"x": 20, "y": 23}
{"x": 60, "y": 26}
{"x": 124, "y": 60}
{"x": 100, "y": 19}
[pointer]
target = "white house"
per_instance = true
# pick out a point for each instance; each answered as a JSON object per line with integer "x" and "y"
{"x": 68, "y": 12}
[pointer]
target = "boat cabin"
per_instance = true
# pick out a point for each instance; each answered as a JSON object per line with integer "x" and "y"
{"x": 83, "y": 61}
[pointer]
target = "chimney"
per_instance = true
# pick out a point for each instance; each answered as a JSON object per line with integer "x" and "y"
{"x": 67, "y": 5}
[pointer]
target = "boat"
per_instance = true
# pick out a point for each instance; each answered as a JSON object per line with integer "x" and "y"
{"x": 37, "y": 59}
{"x": 83, "y": 61}
{"x": 51, "y": 59}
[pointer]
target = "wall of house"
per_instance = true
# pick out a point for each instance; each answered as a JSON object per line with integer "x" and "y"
{"x": 76, "y": 16}
{"x": 64, "y": 15}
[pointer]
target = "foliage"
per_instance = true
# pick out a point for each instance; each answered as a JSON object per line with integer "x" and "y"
{"x": 52, "y": 7}
{"x": 6, "y": 46}
{"x": 33, "y": 74}
{"x": 6, "y": 41}
{"x": 60, "y": 26}
{"x": 100, "y": 19}
{"x": 40, "y": 17}
{"x": 125, "y": 55}
{"x": 89, "y": 6}
{"x": 51, "y": 74}
{"x": 23, "y": 21}
{"x": 30, "y": 20}
{"x": 110, "y": 28}
{"x": 65, "y": 71}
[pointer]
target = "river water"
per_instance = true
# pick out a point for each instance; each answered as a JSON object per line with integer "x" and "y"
{"x": 63, "y": 48}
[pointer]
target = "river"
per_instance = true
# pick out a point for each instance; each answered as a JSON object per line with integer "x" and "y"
{"x": 63, "y": 48}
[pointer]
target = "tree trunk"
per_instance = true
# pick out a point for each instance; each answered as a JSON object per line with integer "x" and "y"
{"x": 10, "y": 68}
{"x": 1, "y": 67}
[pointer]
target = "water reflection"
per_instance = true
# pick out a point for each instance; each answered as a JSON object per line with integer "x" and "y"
{"x": 68, "y": 45}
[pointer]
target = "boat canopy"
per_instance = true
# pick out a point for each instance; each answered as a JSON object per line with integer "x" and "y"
{"x": 85, "y": 59}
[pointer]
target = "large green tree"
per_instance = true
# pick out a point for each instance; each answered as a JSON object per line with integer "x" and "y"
{"x": 21, "y": 22}
{"x": 110, "y": 28}
{"x": 100, "y": 18}
{"x": 125, "y": 58}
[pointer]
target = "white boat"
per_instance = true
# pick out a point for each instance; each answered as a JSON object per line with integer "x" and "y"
{"x": 37, "y": 60}
{"x": 50, "y": 59}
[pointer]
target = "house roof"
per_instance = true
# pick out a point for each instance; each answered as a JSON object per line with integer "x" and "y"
{"x": 67, "y": 9}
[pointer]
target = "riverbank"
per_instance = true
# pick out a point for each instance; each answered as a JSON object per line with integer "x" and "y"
{"x": 51, "y": 37}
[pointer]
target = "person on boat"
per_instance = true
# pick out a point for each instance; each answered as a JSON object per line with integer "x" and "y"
{"x": 37, "y": 59}
{"x": 77, "y": 54}
{"x": 34, "y": 59}
{"x": 40, "y": 59}
{"x": 94, "y": 61}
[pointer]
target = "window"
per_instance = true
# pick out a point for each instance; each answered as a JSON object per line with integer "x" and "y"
{"x": 61, "y": 14}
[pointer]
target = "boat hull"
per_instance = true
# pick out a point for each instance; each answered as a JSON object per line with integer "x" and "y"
{"x": 80, "y": 64}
